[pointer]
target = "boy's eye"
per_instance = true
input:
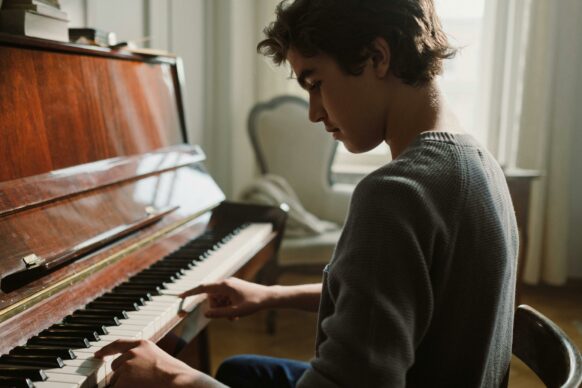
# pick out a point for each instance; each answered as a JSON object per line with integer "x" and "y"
{"x": 313, "y": 86}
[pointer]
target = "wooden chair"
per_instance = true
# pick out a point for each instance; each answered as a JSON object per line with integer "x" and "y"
{"x": 546, "y": 349}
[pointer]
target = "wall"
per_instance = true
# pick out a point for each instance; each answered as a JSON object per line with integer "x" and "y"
{"x": 575, "y": 205}
{"x": 216, "y": 40}
{"x": 173, "y": 25}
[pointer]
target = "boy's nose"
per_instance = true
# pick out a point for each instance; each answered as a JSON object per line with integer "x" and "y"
{"x": 316, "y": 111}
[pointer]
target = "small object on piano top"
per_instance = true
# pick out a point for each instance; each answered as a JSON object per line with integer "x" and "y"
{"x": 92, "y": 36}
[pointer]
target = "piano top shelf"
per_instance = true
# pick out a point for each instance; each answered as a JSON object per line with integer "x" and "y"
{"x": 80, "y": 49}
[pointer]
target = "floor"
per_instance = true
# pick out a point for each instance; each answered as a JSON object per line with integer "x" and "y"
{"x": 295, "y": 334}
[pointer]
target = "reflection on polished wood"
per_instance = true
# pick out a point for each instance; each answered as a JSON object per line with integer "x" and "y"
{"x": 66, "y": 109}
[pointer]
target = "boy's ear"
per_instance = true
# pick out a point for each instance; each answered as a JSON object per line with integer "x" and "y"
{"x": 380, "y": 56}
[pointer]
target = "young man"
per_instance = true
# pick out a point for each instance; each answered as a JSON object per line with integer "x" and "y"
{"x": 421, "y": 286}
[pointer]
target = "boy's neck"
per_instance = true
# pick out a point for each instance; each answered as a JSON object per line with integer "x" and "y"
{"x": 413, "y": 110}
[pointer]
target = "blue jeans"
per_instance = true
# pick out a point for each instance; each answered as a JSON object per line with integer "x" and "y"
{"x": 251, "y": 371}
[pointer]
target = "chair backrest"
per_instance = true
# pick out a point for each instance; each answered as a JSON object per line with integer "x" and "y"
{"x": 546, "y": 349}
{"x": 286, "y": 143}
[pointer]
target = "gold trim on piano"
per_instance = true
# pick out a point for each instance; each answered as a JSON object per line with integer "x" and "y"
{"x": 25, "y": 303}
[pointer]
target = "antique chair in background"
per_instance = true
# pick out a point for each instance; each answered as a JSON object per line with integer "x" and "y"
{"x": 288, "y": 145}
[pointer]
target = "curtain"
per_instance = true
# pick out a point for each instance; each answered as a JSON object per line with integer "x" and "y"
{"x": 542, "y": 138}
{"x": 236, "y": 79}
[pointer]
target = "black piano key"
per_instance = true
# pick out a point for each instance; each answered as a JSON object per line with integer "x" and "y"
{"x": 99, "y": 329}
{"x": 16, "y": 382}
{"x": 149, "y": 283}
{"x": 69, "y": 342}
{"x": 102, "y": 321}
{"x": 91, "y": 336}
{"x": 174, "y": 266}
{"x": 136, "y": 280}
{"x": 198, "y": 245}
{"x": 37, "y": 361}
{"x": 34, "y": 374}
{"x": 64, "y": 354}
{"x": 144, "y": 295}
{"x": 164, "y": 271}
{"x": 181, "y": 261}
{"x": 188, "y": 254}
{"x": 120, "y": 299}
{"x": 107, "y": 305}
{"x": 193, "y": 249}
{"x": 120, "y": 314}
{"x": 154, "y": 277}
{"x": 152, "y": 290}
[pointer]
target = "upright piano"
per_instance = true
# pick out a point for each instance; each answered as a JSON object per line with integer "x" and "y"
{"x": 107, "y": 213}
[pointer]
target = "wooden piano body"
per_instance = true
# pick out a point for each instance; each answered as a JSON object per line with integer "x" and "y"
{"x": 97, "y": 182}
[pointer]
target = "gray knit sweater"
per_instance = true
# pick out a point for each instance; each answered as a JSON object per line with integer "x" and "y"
{"x": 420, "y": 290}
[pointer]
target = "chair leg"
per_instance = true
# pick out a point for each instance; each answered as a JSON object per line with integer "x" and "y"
{"x": 269, "y": 276}
{"x": 271, "y": 322}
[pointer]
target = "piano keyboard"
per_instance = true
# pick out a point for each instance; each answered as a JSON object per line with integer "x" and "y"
{"x": 62, "y": 355}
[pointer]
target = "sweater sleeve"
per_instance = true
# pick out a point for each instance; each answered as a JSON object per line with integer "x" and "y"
{"x": 379, "y": 287}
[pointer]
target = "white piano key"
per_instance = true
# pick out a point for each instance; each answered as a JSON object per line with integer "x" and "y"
{"x": 50, "y": 384}
{"x": 112, "y": 337}
{"x": 137, "y": 334}
{"x": 84, "y": 377}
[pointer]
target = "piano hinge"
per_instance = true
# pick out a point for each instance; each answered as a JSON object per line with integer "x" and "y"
{"x": 32, "y": 260}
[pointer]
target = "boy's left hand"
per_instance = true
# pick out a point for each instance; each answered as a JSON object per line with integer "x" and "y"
{"x": 142, "y": 363}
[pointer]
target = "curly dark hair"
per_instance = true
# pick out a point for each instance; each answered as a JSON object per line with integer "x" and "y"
{"x": 346, "y": 29}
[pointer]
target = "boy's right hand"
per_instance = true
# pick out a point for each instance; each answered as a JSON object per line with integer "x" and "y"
{"x": 232, "y": 298}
